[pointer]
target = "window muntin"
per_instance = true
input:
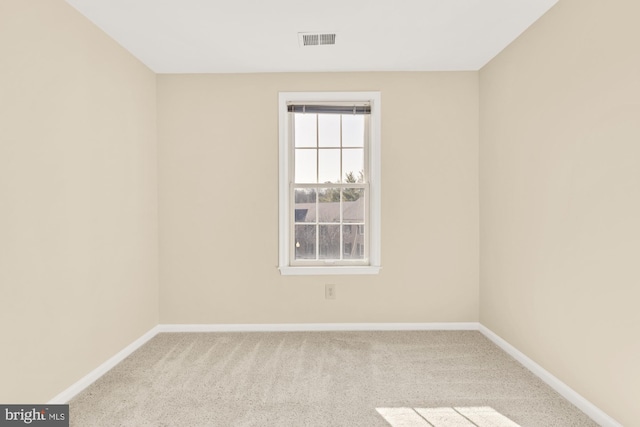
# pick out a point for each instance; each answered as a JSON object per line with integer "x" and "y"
{"x": 329, "y": 188}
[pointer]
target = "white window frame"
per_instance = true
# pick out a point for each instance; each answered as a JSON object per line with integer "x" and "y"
{"x": 285, "y": 177}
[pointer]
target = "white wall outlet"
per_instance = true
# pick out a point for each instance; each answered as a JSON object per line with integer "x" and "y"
{"x": 330, "y": 291}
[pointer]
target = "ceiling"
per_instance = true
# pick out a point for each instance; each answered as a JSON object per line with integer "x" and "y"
{"x": 250, "y": 36}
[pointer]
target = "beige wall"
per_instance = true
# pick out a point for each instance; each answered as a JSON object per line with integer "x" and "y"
{"x": 78, "y": 199}
{"x": 560, "y": 199}
{"x": 218, "y": 149}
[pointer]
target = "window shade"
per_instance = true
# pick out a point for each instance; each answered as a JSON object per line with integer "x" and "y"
{"x": 329, "y": 109}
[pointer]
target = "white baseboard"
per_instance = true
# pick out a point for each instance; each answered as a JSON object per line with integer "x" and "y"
{"x": 92, "y": 376}
{"x": 567, "y": 392}
{"x": 310, "y": 327}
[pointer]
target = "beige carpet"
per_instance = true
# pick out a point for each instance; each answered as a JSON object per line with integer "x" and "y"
{"x": 396, "y": 379}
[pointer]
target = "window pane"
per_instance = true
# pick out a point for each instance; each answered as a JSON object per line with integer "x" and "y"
{"x": 353, "y": 165}
{"x": 329, "y": 166}
{"x": 305, "y": 130}
{"x": 306, "y": 166}
{"x": 305, "y": 207}
{"x": 305, "y": 241}
{"x": 329, "y": 132}
{"x": 329, "y": 205}
{"x": 353, "y": 205}
{"x": 352, "y": 130}
{"x": 329, "y": 242}
{"x": 353, "y": 241}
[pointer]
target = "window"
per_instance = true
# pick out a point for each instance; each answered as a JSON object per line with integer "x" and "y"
{"x": 329, "y": 183}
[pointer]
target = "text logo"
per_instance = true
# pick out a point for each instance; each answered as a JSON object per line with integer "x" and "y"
{"x": 34, "y": 415}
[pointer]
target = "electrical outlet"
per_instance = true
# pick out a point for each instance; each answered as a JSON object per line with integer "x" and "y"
{"x": 330, "y": 291}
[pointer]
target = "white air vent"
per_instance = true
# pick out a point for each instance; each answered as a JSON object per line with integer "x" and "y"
{"x": 316, "y": 39}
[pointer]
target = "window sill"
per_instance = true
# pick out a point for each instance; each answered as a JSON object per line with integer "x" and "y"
{"x": 332, "y": 270}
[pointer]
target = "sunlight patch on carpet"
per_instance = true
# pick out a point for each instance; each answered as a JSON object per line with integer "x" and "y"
{"x": 482, "y": 416}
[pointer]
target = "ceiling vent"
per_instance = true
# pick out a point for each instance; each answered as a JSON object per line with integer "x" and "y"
{"x": 316, "y": 39}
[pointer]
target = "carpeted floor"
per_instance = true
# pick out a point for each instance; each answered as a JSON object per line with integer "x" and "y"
{"x": 397, "y": 379}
